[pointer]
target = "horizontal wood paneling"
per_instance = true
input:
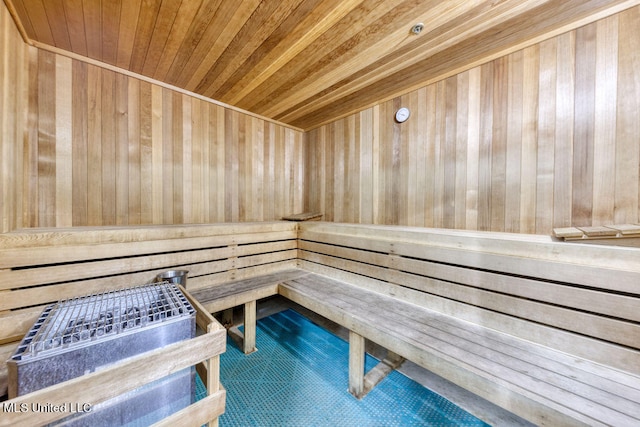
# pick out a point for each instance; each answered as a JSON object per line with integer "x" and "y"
{"x": 61, "y": 263}
{"x": 545, "y": 137}
{"x": 580, "y": 299}
{"x": 13, "y": 82}
{"x": 108, "y": 149}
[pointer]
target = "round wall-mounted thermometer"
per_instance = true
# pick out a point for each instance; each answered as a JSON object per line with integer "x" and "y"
{"x": 402, "y": 115}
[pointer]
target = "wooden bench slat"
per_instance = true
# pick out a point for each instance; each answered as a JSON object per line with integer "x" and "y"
{"x": 212, "y": 293}
{"x": 568, "y": 233}
{"x": 52, "y": 293}
{"x": 23, "y": 257}
{"x": 375, "y": 310}
{"x": 231, "y": 294}
{"x": 627, "y": 229}
{"x": 583, "y": 265}
{"x": 196, "y": 283}
{"x": 607, "y": 303}
{"x": 598, "y": 231}
{"x": 12, "y": 279}
{"x": 405, "y": 240}
{"x": 604, "y": 352}
{"x": 82, "y": 236}
{"x": 478, "y": 340}
{"x": 627, "y": 333}
{"x": 304, "y": 216}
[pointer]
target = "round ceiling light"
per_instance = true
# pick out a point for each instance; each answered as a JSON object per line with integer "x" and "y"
{"x": 417, "y": 29}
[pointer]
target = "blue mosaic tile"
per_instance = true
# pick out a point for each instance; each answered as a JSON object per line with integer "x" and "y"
{"x": 299, "y": 377}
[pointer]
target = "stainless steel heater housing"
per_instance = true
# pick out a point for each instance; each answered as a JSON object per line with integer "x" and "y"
{"x": 81, "y": 335}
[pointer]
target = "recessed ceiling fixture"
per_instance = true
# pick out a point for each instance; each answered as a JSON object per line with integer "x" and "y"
{"x": 417, "y": 29}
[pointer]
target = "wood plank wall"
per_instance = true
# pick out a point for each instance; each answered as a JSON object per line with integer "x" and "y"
{"x": 104, "y": 149}
{"x": 542, "y": 138}
{"x": 13, "y": 84}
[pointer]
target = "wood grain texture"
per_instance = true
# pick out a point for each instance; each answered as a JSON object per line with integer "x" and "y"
{"x": 539, "y": 139}
{"x": 539, "y": 279}
{"x": 108, "y": 149}
{"x": 304, "y": 62}
{"x": 523, "y": 143}
{"x": 14, "y": 65}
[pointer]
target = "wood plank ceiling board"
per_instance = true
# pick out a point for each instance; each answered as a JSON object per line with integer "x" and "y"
{"x": 301, "y": 62}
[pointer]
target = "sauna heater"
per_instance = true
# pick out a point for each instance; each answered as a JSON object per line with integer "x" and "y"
{"x": 82, "y": 335}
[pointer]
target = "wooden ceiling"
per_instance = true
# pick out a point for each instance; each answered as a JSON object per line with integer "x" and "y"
{"x": 302, "y": 62}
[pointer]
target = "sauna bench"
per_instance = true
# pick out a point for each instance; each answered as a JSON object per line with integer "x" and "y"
{"x": 547, "y": 330}
{"x": 41, "y": 266}
{"x": 523, "y": 376}
{"x": 544, "y": 329}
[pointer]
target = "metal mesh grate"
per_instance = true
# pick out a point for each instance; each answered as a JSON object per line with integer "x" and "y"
{"x": 83, "y": 320}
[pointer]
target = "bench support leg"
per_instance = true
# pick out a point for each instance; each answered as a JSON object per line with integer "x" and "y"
{"x": 356, "y": 364}
{"x": 227, "y": 318}
{"x": 249, "y": 343}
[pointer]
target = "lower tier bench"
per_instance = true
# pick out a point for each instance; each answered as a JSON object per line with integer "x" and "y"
{"x": 529, "y": 379}
{"x": 245, "y": 292}
{"x": 524, "y": 377}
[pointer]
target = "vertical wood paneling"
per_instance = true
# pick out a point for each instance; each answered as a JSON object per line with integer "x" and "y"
{"x": 13, "y": 69}
{"x": 147, "y": 184}
{"x": 542, "y": 138}
{"x": 122, "y": 150}
{"x": 499, "y": 143}
{"x": 94, "y": 145}
{"x": 484, "y": 155}
{"x": 198, "y": 198}
{"x": 562, "y": 159}
{"x": 582, "y": 209}
{"x": 187, "y": 160}
{"x": 217, "y": 136}
{"x": 134, "y": 162}
{"x": 269, "y": 176}
{"x": 473, "y": 149}
{"x": 528, "y": 160}
{"x": 30, "y": 154}
{"x": 546, "y": 135}
{"x": 429, "y": 155}
{"x": 102, "y": 148}
{"x": 438, "y": 160}
{"x": 627, "y": 168}
{"x": 604, "y": 149}
{"x": 46, "y": 172}
{"x": 448, "y": 158}
{"x": 366, "y": 168}
{"x": 514, "y": 137}
{"x": 177, "y": 164}
{"x": 63, "y": 144}
{"x": 460, "y": 170}
{"x": 108, "y": 148}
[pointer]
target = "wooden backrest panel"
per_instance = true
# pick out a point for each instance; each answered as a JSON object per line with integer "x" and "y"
{"x": 580, "y": 299}
{"x": 41, "y": 266}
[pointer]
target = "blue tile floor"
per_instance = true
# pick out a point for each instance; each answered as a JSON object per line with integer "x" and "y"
{"x": 299, "y": 375}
